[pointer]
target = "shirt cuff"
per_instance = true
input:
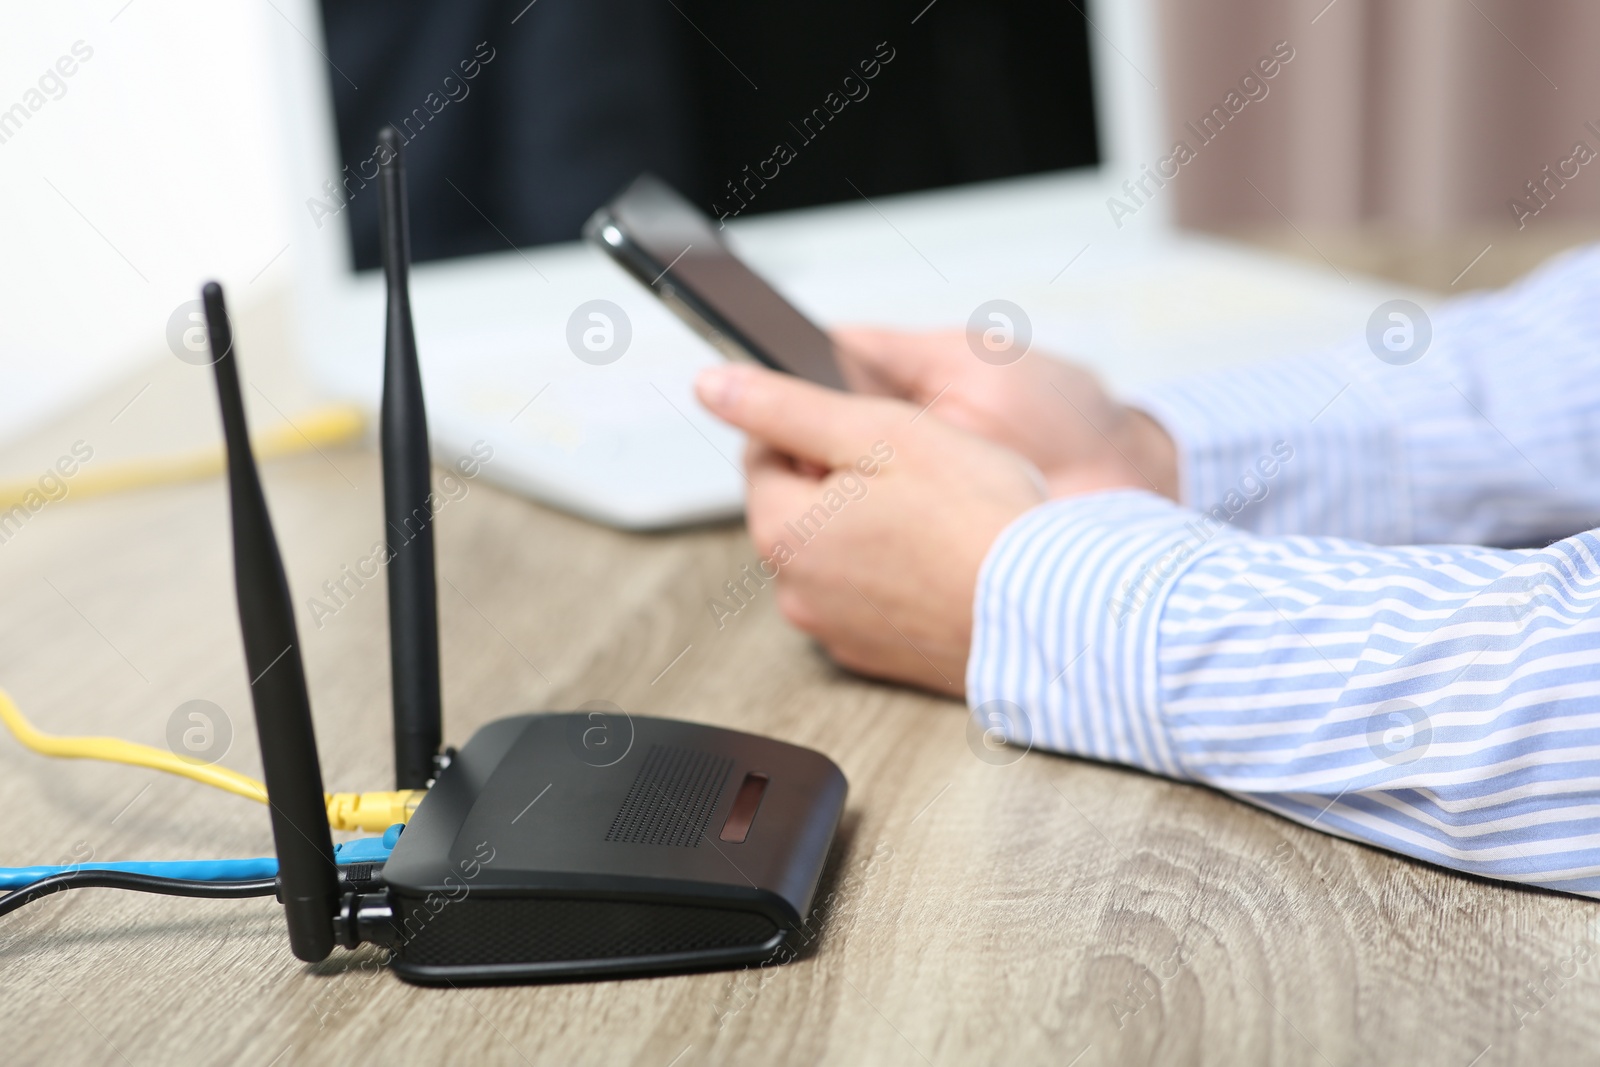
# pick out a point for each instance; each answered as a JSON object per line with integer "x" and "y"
{"x": 1341, "y": 443}
{"x": 1065, "y": 625}
{"x": 1298, "y": 446}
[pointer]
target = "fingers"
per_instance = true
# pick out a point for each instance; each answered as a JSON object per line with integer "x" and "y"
{"x": 777, "y": 491}
{"x": 809, "y": 422}
{"x": 771, "y": 473}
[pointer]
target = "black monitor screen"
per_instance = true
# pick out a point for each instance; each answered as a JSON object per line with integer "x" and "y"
{"x": 521, "y": 118}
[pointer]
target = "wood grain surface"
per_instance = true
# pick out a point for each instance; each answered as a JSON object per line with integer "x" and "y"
{"x": 1031, "y": 910}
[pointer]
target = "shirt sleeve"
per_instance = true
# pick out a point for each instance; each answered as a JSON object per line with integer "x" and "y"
{"x": 1491, "y": 436}
{"x": 1439, "y": 701}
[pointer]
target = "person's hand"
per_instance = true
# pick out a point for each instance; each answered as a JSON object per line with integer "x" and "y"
{"x": 875, "y": 519}
{"x": 1053, "y": 413}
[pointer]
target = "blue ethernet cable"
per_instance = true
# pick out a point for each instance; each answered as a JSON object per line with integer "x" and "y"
{"x": 234, "y": 877}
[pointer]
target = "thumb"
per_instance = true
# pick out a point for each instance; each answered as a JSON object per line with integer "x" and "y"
{"x": 898, "y": 363}
{"x": 794, "y": 417}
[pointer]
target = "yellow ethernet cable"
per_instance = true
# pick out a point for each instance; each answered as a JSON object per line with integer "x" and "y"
{"x": 335, "y": 424}
{"x": 373, "y": 812}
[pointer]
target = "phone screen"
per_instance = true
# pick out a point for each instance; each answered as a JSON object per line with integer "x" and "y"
{"x": 670, "y": 246}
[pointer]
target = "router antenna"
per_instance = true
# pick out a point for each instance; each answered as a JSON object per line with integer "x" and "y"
{"x": 413, "y": 589}
{"x": 307, "y": 877}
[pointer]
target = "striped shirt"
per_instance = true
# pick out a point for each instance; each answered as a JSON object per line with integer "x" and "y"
{"x": 1318, "y": 629}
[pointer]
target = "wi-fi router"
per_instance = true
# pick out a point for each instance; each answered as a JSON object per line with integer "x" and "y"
{"x": 550, "y": 846}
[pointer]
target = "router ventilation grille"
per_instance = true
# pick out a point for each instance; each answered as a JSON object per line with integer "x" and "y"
{"x": 671, "y": 798}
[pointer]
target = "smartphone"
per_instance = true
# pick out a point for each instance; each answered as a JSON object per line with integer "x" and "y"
{"x": 672, "y": 248}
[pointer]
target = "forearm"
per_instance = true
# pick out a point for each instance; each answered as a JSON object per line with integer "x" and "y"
{"x": 1441, "y": 702}
{"x": 1492, "y": 437}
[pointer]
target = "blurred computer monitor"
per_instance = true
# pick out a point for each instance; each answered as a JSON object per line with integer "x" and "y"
{"x": 523, "y": 118}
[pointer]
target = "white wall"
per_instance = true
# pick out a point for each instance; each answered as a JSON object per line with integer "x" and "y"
{"x": 165, "y": 141}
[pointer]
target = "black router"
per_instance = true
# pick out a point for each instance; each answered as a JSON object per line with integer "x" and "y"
{"x": 557, "y": 845}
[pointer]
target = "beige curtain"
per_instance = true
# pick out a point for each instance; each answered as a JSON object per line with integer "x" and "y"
{"x": 1420, "y": 114}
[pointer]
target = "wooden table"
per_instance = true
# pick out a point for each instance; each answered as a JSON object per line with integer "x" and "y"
{"x": 1047, "y": 910}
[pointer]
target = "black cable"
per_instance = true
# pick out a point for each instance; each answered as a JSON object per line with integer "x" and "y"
{"x": 141, "y": 883}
